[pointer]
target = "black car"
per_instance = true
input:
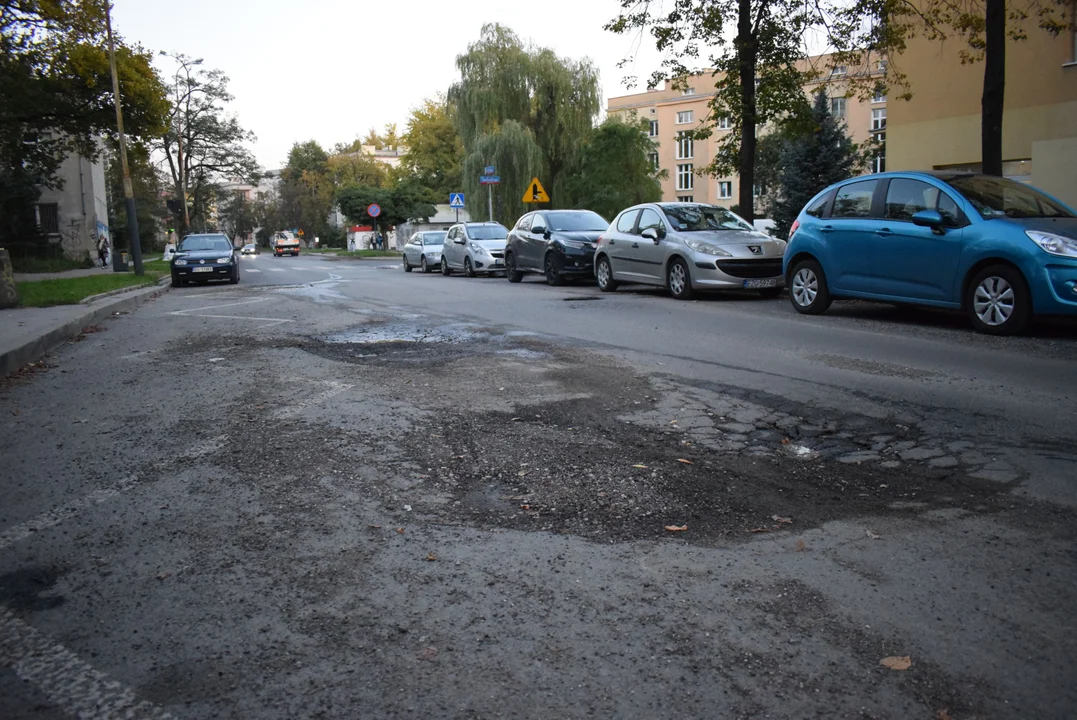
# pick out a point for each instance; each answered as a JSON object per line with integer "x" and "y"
{"x": 201, "y": 258}
{"x": 559, "y": 244}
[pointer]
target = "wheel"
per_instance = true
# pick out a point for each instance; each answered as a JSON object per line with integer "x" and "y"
{"x": 807, "y": 290}
{"x": 407, "y": 265}
{"x": 176, "y": 282}
{"x": 422, "y": 264}
{"x": 468, "y": 270}
{"x": 678, "y": 280}
{"x": 998, "y": 302}
{"x": 604, "y": 275}
{"x": 513, "y": 275}
{"x": 235, "y": 277}
{"x": 770, "y": 292}
{"x": 552, "y": 268}
{"x": 445, "y": 267}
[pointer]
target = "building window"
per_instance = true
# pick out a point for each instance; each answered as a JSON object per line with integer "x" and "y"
{"x": 685, "y": 146}
{"x": 878, "y": 119}
{"x": 725, "y": 189}
{"x": 879, "y": 96}
{"x": 685, "y": 198}
{"x": 838, "y": 71}
{"x": 654, "y": 160}
{"x": 654, "y": 128}
{"x": 48, "y": 218}
{"x": 684, "y": 177}
{"x": 689, "y": 91}
{"x": 878, "y": 163}
{"x": 837, "y": 107}
{"x": 724, "y": 123}
{"x": 882, "y": 66}
{"x": 683, "y": 117}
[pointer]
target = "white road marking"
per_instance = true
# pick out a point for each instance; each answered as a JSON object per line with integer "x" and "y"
{"x": 275, "y": 269}
{"x": 198, "y": 312}
{"x": 76, "y": 687}
{"x": 335, "y": 388}
{"x": 251, "y": 270}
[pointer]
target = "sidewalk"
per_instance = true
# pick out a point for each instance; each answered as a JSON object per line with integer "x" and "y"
{"x": 27, "y": 334}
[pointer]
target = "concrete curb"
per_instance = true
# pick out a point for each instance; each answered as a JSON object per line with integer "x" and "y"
{"x": 117, "y": 291}
{"x": 39, "y": 347}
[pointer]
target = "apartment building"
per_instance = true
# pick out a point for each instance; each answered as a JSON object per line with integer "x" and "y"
{"x": 671, "y": 111}
{"x": 74, "y": 215}
{"x": 939, "y": 127}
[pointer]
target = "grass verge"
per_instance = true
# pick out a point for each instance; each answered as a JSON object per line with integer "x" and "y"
{"x": 47, "y": 265}
{"x": 68, "y": 291}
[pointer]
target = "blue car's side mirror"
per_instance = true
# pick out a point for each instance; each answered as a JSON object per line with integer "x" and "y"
{"x": 928, "y": 218}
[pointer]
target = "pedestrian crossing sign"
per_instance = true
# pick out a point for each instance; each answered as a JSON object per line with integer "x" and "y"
{"x": 456, "y": 200}
{"x": 536, "y": 193}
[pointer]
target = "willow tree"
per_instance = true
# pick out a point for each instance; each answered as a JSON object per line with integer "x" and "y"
{"x": 551, "y": 101}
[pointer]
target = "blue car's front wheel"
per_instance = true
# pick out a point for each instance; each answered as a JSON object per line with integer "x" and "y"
{"x": 807, "y": 288}
{"x": 998, "y": 301}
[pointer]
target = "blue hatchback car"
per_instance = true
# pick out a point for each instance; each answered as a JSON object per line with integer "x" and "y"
{"x": 1001, "y": 250}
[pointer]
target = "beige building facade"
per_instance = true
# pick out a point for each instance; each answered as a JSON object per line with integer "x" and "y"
{"x": 671, "y": 111}
{"x": 939, "y": 127}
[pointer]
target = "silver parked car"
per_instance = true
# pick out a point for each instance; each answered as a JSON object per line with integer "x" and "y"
{"x": 687, "y": 247}
{"x": 475, "y": 247}
{"x": 424, "y": 250}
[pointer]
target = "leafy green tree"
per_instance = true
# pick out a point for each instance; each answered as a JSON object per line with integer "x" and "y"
{"x": 404, "y": 201}
{"x": 147, "y": 186}
{"x": 614, "y": 170}
{"x": 204, "y": 144}
{"x": 435, "y": 152}
{"x": 756, "y": 43}
{"x": 267, "y": 216}
{"x": 57, "y": 96}
{"x": 355, "y": 168}
{"x": 306, "y": 189}
{"x": 236, "y": 216}
{"x": 811, "y": 161}
{"x": 552, "y": 102}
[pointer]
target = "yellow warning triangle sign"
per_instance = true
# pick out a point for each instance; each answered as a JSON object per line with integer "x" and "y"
{"x": 535, "y": 192}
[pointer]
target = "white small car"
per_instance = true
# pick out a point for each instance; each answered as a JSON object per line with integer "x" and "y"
{"x": 475, "y": 247}
{"x": 424, "y": 250}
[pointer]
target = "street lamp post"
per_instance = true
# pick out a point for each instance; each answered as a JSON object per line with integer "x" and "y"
{"x": 128, "y": 192}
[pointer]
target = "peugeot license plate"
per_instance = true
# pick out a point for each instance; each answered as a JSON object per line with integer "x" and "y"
{"x": 203, "y": 269}
{"x": 761, "y": 283}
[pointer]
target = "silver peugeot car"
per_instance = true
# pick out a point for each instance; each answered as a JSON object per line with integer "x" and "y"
{"x": 687, "y": 247}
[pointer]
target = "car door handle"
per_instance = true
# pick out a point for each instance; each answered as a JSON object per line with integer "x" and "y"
{"x": 636, "y": 245}
{"x": 827, "y": 228}
{"x": 885, "y": 232}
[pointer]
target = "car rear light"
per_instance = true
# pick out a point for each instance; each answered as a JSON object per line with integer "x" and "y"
{"x": 793, "y": 229}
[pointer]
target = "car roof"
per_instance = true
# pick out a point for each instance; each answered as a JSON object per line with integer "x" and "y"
{"x": 483, "y": 222}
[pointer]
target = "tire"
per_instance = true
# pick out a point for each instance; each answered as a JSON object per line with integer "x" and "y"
{"x": 770, "y": 292}
{"x": 808, "y": 290}
{"x": 679, "y": 280}
{"x": 604, "y": 275}
{"x": 998, "y": 301}
{"x": 445, "y": 267}
{"x": 234, "y": 280}
{"x": 551, "y": 269}
{"x": 176, "y": 282}
{"x": 407, "y": 266}
{"x": 513, "y": 275}
{"x": 422, "y": 264}
{"x": 468, "y": 270}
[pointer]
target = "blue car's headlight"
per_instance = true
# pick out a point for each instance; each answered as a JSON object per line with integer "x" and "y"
{"x": 1054, "y": 244}
{"x": 179, "y": 261}
{"x": 224, "y": 260}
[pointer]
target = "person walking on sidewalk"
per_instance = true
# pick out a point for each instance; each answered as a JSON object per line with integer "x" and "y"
{"x": 102, "y": 252}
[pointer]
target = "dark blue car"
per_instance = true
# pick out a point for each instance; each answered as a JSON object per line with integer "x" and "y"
{"x": 998, "y": 249}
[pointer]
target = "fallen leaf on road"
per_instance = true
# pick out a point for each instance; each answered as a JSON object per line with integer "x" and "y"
{"x": 375, "y": 527}
{"x": 14, "y": 411}
{"x": 458, "y": 457}
{"x": 872, "y": 535}
{"x": 525, "y": 507}
{"x": 686, "y": 462}
{"x": 437, "y": 436}
{"x": 758, "y": 529}
{"x": 514, "y": 497}
{"x": 162, "y": 576}
{"x": 944, "y": 714}
{"x": 522, "y": 473}
{"x": 641, "y": 467}
{"x": 428, "y": 653}
{"x": 400, "y": 531}
{"x": 431, "y": 557}
{"x": 781, "y": 520}
{"x": 676, "y": 528}
{"x": 673, "y": 422}
{"x": 786, "y": 441}
{"x": 801, "y": 546}
{"x": 896, "y": 662}
{"x": 515, "y": 420}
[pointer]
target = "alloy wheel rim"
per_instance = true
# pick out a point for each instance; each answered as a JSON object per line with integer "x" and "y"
{"x": 994, "y": 301}
{"x": 805, "y": 287}
{"x": 676, "y": 279}
{"x": 423, "y": 263}
{"x": 603, "y": 274}
{"x": 549, "y": 268}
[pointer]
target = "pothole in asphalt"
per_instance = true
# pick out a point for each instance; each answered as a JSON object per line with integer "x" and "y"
{"x": 405, "y": 333}
{"x": 581, "y": 298}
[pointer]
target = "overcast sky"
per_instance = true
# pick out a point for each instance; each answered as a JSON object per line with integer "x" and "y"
{"x": 332, "y": 69}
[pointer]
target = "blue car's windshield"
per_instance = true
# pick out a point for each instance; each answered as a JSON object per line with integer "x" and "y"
{"x": 205, "y": 242}
{"x": 995, "y": 197}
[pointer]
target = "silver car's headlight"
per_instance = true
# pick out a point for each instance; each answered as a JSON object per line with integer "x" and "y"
{"x": 478, "y": 249}
{"x": 1054, "y": 244}
{"x": 180, "y": 261}
{"x": 706, "y": 248}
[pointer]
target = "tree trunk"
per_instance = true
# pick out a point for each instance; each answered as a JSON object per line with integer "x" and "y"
{"x": 746, "y": 49}
{"x": 994, "y": 88}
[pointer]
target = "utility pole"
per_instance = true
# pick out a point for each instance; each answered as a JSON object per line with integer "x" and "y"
{"x": 128, "y": 192}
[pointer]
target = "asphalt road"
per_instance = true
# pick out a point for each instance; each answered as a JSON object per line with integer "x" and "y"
{"x": 340, "y": 490}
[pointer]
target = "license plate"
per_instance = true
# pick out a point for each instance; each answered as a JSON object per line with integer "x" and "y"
{"x": 761, "y": 283}
{"x": 203, "y": 269}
